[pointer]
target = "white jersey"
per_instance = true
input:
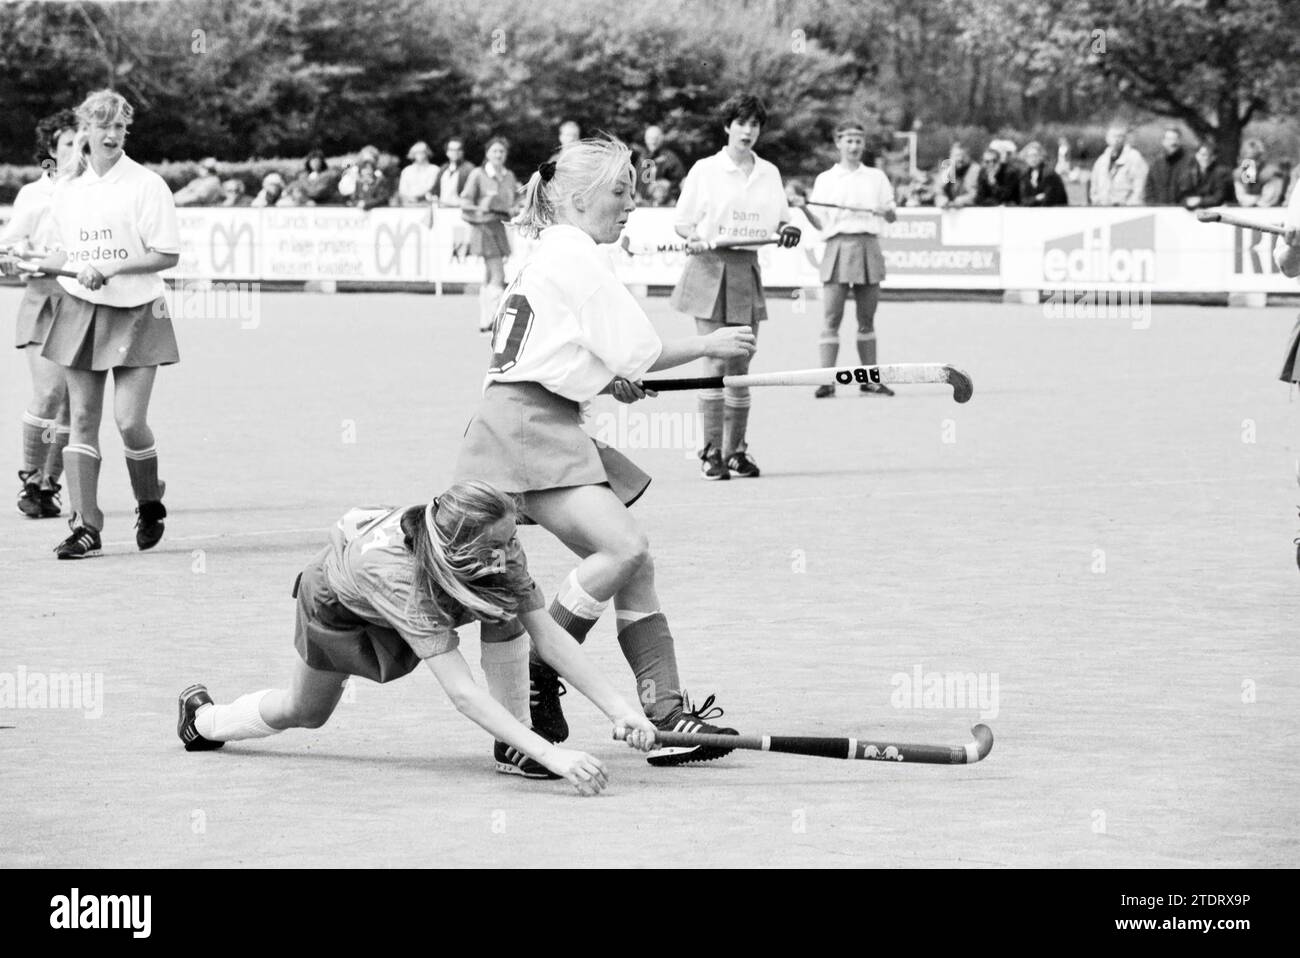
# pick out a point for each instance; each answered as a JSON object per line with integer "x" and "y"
{"x": 31, "y": 225}
{"x": 719, "y": 201}
{"x": 103, "y": 220}
{"x": 567, "y": 323}
{"x": 866, "y": 187}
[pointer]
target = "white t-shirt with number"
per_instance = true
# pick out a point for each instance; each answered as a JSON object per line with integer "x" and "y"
{"x": 721, "y": 202}
{"x": 31, "y": 224}
{"x": 103, "y": 220}
{"x": 864, "y": 187}
{"x": 567, "y": 323}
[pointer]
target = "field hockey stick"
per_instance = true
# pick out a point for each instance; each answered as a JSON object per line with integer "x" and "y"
{"x": 26, "y": 261}
{"x": 846, "y": 748}
{"x": 1227, "y": 219}
{"x": 839, "y": 206}
{"x": 626, "y": 243}
{"x": 893, "y": 375}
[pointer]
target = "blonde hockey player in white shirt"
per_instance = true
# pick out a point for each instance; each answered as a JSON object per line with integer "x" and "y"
{"x": 566, "y": 330}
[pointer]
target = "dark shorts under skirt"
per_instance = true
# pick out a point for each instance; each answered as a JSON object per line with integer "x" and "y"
{"x": 524, "y": 438}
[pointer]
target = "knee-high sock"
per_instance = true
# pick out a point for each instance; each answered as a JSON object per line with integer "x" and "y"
{"x": 736, "y": 420}
{"x": 867, "y": 349}
{"x": 648, "y": 647}
{"x": 36, "y": 432}
{"x": 505, "y": 666}
{"x": 239, "y": 720}
{"x": 54, "y": 457}
{"x": 834, "y": 296}
{"x": 487, "y": 304}
{"x": 142, "y": 465}
{"x": 710, "y": 406}
{"x": 574, "y": 610}
{"x": 828, "y": 348}
{"x": 82, "y": 464}
{"x": 866, "y": 298}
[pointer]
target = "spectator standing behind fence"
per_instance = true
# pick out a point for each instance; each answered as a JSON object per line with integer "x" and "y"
{"x": 1120, "y": 174}
{"x": 272, "y": 193}
{"x": 488, "y": 201}
{"x": 415, "y": 185}
{"x": 1170, "y": 174}
{"x": 1038, "y": 185}
{"x": 348, "y": 181}
{"x": 659, "y": 171}
{"x": 1251, "y": 179}
{"x": 455, "y": 173}
{"x": 570, "y": 132}
{"x": 997, "y": 184}
{"x": 1211, "y": 181}
{"x": 233, "y": 193}
{"x": 317, "y": 184}
{"x": 204, "y": 189}
{"x": 372, "y": 187}
{"x": 1274, "y": 177}
{"x": 957, "y": 179}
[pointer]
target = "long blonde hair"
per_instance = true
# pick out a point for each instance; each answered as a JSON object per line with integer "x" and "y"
{"x": 102, "y": 106}
{"x": 452, "y": 563}
{"x": 576, "y": 169}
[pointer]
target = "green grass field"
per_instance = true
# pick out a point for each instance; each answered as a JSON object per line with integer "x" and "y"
{"x": 1105, "y": 530}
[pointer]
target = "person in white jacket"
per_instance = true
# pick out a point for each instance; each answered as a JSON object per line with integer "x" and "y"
{"x": 1120, "y": 174}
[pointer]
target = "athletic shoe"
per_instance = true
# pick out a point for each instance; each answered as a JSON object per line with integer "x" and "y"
{"x": 51, "y": 503}
{"x": 82, "y": 544}
{"x": 685, "y": 719}
{"x": 825, "y": 392}
{"x": 149, "y": 526}
{"x": 876, "y": 389}
{"x": 29, "y": 496}
{"x": 743, "y": 466}
{"x": 544, "y": 691}
{"x": 511, "y": 761}
{"x": 191, "y": 700}
{"x": 711, "y": 464}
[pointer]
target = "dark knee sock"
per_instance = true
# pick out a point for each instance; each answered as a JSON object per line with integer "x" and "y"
{"x": 142, "y": 465}
{"x": 648, "y": 647}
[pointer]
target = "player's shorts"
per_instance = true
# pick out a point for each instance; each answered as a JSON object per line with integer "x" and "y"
{"x": 489, "y": 240}
{"x": 524, "y": 438}
{"x": 1289, "y": 374}
{"x": 853, "y": 258}
{"x": 36, "y": 312}
{"x": 723, "y": 285}
{"x": 330, "y": 637}
{"x": 93, "y": 337}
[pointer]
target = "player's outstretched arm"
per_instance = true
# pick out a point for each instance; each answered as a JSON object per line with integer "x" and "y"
{"x": 584, "y": 772}
{"x": 561, "y": 652}
{"x": 729, "y": 342}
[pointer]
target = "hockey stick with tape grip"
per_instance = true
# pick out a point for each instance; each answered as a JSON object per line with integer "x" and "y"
{"x": 889, "y": 375}
{"x": 847, "y": 748}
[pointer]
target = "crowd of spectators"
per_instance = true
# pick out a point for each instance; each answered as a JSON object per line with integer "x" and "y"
{"x": 1004, "y": 176}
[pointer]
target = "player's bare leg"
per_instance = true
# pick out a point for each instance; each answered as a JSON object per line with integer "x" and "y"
{"x": 45, "y": 433}
{"x": 132, "y": 390}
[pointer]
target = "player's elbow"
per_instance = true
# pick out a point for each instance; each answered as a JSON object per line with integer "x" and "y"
{"x": 168, "y": 260}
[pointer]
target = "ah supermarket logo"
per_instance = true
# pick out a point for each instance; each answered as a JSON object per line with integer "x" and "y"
{"x": 1109, "y": 253}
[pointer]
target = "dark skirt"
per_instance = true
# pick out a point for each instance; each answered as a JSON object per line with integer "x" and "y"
{"x": 853, "y": 258}
{"x": 1289, "y": 374}
{"x": 489, "y": 240}
{"x": 37, "y": 310}
{"x": 89, "y": 336}
{"x": 332, "y": 638}
{"x": 524, "y": 438}
{"x": 723, "y": 285}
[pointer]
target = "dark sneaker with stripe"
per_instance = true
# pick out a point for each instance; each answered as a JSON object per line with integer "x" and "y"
{"x": 687, "y": 719}
{"x": 544, "y": 691}
{"x": 191, "y": 700}
{"x": 51, "y": 503}
{"x": 511, "y": 761}
{"x": 29, "y": 496}
{"x": 876, "y": 389}
{"x": 742, "y": 465}
{"x": 711, "y": 464}
{"x": 82, "y": 544}
{"x": 824, "y": 392}
{"x": 149, "y": 525}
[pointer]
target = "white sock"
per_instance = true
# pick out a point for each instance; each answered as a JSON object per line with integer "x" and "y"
{"x": 625, "y": 617}
{"x": 505, "y": 666}
{"x": 235, "y": 722}
{"x": 577, "y": 600}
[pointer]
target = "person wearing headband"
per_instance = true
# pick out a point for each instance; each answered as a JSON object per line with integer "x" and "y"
{"x": 389, "y": 591}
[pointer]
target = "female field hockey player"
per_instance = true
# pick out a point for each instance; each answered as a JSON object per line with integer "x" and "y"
{"x": 391, "y": 589}
{"x": 565, "y": 331}
{"x": 733, "y": 194}
{"x": 115, "y": 222}
{"x": 488, "y": 201}
{"x": 45, "y": 421}
{"x": 853, "y": 257}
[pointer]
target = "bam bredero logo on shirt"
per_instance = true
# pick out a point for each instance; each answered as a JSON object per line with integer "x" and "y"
{"x": 1110, "y": 253}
